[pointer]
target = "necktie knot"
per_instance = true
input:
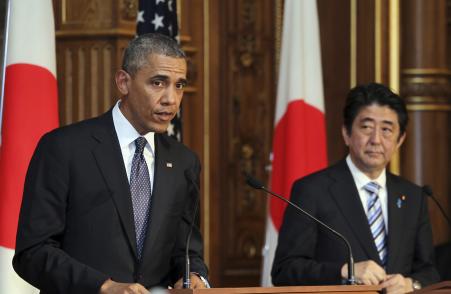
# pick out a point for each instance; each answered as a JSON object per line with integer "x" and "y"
{"x": 372, "y": 188}
{"x": 140, "y": 143}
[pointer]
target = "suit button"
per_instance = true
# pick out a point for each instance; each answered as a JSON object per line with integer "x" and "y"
{"x": 138, "y": 277}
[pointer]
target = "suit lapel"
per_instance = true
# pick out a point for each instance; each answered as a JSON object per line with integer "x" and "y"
{"x": 345, "y": 193}
{"x": 111, "y": 164}
{"x": 396, "y": 211}
{"x": 162, "y": 190}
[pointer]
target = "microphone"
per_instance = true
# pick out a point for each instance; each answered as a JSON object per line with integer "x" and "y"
{"x": 254, "y": 183}
{"x": 191, "y": 177}
{"x": 428, "y": 191}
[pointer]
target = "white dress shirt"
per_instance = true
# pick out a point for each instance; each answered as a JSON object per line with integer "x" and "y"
{"x": 360, "y": 180}
{"x": 127, "y": 135}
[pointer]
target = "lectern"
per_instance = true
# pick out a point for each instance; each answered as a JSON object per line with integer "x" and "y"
{"x": 339, "y": 289}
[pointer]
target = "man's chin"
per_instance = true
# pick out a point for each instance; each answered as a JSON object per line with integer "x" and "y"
{"x": 157, "y": 129}
{"x": 160, "y": 131}
{"x": 375, "y": 164}
{"x": 375, "y": 158}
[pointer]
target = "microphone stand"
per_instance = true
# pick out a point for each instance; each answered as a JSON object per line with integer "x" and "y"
{"x": 186, "y": 278}
{"x": 254, "y": 183}
{"x": 428, "y": 191}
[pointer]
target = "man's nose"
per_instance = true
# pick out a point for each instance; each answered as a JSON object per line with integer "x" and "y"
{"x": 376, "y": 136}
{"x": 170, "y": 96}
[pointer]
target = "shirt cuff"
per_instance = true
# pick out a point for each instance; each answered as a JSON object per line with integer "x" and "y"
{"x": 204, "y": 280}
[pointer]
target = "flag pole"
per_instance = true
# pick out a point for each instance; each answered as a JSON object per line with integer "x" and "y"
{"x": 5, "y": 49}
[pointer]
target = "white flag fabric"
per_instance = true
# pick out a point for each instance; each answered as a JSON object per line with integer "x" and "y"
{"x": 299, "y": 142}
{"x": 30, "y": 108}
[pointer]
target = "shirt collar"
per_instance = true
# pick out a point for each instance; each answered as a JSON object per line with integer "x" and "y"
{"x": 126, "y": 133}
{"x": 362, "y": 179}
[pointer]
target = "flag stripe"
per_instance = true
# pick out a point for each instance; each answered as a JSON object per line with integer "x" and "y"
{"x": 299, "y": 140}
{"x": 23, "y": 124}
{"x": 29, "y": 40}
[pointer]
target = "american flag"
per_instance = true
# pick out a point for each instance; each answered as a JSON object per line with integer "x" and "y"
{"x": 160, "y": 16}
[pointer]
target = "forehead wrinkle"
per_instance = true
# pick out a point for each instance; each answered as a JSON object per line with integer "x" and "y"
{"x": 366, "y": 119}
{"x": 168, "y": 72}
{"x": 160, "y": 76}
{"x": 371, "y": 119}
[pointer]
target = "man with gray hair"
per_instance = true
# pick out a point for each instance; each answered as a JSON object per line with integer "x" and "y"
{"x": 108, "y": 201}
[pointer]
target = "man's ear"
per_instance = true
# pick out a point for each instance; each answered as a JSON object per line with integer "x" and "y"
{"x": 344, "y": 133}
{"x": 401, "y": 140}
{"x": 122, "y": 79}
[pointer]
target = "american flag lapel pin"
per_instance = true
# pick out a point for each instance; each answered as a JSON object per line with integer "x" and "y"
{"x": 400, "y": 201}
{"x": 169, "y": 164}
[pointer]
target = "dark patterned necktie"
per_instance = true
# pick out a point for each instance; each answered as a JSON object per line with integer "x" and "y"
{"x": 376, "y": 220}
{"x": 140, "y": 188}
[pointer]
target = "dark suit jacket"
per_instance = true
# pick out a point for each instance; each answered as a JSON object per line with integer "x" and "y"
{"x": 307, "y": 254}
{"x": 76, "y": 226}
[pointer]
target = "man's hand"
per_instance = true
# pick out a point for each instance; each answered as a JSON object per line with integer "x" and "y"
{"x": 111, "y": 287}
{"x": 366, "y": 273}
{"x": 196, "y": 283}
{"x": 395, "y": 284}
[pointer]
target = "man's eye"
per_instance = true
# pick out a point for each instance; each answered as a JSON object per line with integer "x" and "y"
{"x": 158, "y": 83}
{"x": 180, "y": 86}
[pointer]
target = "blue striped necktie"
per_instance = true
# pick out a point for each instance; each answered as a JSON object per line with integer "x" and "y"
{"x": 140, "y": 189}
{"x": 376, "y": 220}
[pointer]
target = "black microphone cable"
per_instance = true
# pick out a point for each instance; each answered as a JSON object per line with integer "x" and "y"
{"x": 189, "y": 174}
{"x": 254, "y": 183}
{"x": 428, "y": 191}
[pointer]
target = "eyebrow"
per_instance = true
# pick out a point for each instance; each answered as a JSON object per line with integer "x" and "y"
{"x": 165, "y": 78}
{"x": 368, "y": 119}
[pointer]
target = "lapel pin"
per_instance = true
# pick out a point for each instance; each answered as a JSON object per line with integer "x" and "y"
{"x": 169, "y": 164}
{"x": 400, "y": 201}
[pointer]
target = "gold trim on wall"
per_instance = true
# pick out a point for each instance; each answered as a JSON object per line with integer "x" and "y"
{"x": 426, "y": 71}
{"x": 353, "y": 45}
{"x": 206, "y": 120}
{"x": 190, "y": 90}
{"x": 178, "y": 6}
{"x": 189, "y": 49}
{"x": 63, "y": 11}
{"x": 184, "y": 38}
{"x": 427, "y": 100}
{"x": 427, "y": 80}
{"x": 394, "y": 51}
{"x": 278, "y": 33}
{"x": 394, "y": 45}
{"x": 378, "y": 41}
{"x": 97, "y": 33}
{"x": 428, "y": 107}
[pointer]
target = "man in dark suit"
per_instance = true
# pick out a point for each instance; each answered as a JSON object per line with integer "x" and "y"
{"x": 384, "y": 217}
{"x": 107, "y": 203}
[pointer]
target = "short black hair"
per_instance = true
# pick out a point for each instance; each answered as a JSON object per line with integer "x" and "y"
{"x": 369, "y": 94}
{"x": 137, "y": 51}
